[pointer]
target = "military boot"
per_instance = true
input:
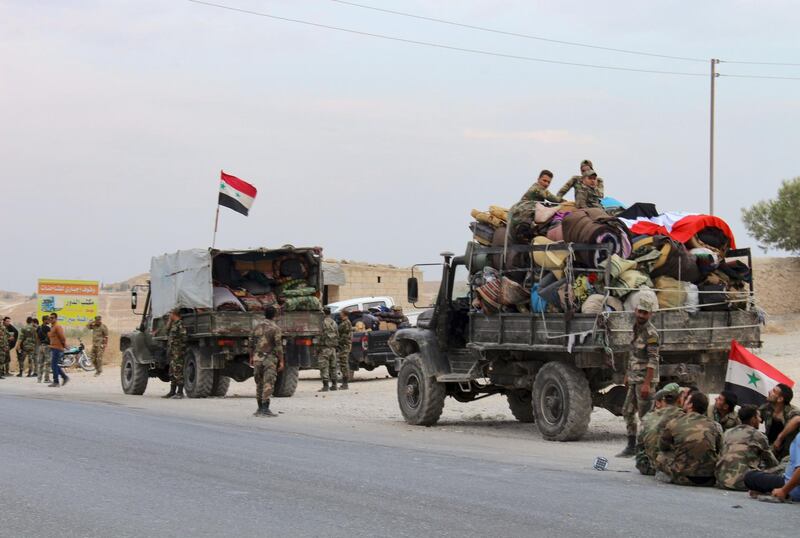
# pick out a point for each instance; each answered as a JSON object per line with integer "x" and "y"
{"x": 630, "y": 450}
{"x": 171, "y": 392}
{"x": 178, "y": 392}
{"x": 344, "y": 386}
{"x": 19, "y": 374}
{"x": 333, "y": 385}
{"x": 324, "y": 387}
{"x": 265, "y": 411}
{"x": 260, "y": 410}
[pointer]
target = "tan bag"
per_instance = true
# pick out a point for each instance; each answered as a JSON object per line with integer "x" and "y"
{"x": 671, "y": 292}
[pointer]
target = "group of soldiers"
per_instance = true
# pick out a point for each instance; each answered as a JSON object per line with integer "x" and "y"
{"x": 42, "y": 345}
{"x": 681, "y": 442}
{"x": 589, "y": 188}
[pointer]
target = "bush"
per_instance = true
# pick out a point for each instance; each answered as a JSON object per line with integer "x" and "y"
{"x": 776, "y": 223}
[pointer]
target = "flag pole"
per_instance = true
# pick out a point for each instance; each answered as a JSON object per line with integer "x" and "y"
{"x": 216, "y": 219}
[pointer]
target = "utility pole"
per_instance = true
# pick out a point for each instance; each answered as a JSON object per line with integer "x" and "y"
{"x": 714, "y": 76}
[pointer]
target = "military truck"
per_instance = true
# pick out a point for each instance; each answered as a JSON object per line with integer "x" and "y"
{"x": 552, "y": 367}
{"x": 221, "y": 295}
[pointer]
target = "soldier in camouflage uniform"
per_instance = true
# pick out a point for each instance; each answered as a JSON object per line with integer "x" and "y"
{"x": 690, "y": 446}
{"x": 642, "y": 372}
{"x": 345, "y": 331}
{"x": 176, "y": 351}
{"x": 326, "y": 358}
{"x": 27, "y": 347}
{"x": 266, "y": 359}
{"x": 776, "y": 414}
{"x": 724, "y": 410}
{"x": 652, "y": 424}
{"x": 587, "y": 193}
{"x": 11, "y": 338}
{"x": 43, "y": 357}
{"x": 99, "y": 343}
{"x": 538, "y": 191}
{"x": 3, "y": 350}
{"x": 744, "y": 449}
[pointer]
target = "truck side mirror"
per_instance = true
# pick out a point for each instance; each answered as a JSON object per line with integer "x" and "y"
{"x": 134, "y": 299}
{"x": 413, "y": 290}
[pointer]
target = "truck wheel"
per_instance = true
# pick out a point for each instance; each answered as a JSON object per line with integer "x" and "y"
{"x": 391, "y": 369}
{"x": 286, "y": 382}
{"x": 197, "y": 381}
{"x": 133, "y": 376}
{"x": 220, "y": 386}
{"x": 562, "y": 402}
{"x": 421, "y": 398}
{"x": 521, "y": 404}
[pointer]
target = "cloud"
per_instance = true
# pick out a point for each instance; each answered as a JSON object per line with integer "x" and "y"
{"x": 546, "y": 136}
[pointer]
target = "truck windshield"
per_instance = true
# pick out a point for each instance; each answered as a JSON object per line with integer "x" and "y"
{"x": 460, "y": 286}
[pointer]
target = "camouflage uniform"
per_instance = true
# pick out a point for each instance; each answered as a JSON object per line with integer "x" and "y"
{"x": 343, "y": 348}
{"x": 267, "y": 352}
{"x": 643, "y": 356}
{"x": 650, "y": 436}
{"x": 3, "y": 349}
{"x": 43, "y": 357}
{"x": 326, "y": 360}
{"x": 744, "y": 449}
{"x": 99, "y": 339}
{"x": 27, "y": 348}
{"x": 584, "y": 196}
{"x": 690, "y": 446}
{"x": 176, "y": 350}
{"x": 537, "y": 193}
{"x": 789, "y": 412}
{"x": 727, "y": 422}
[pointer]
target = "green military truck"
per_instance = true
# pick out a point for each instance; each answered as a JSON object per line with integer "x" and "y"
{"x": 552, "y": 367}
{"x": 221, "y": 295}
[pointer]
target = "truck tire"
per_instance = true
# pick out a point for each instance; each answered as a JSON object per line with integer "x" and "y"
{"x": 562, "y": 402}
{"x": 421, "y": 398}
{"x": 220, "y": 386}
{"x": 521, "y": 404}
{"x": 133, "y": 376}
{"x": 286, "y": 382}
{"x": 197, "y": 381}
{"x": 391, "y": 369}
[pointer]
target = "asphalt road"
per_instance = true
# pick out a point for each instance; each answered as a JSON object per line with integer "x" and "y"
{"x": 95, "y": 469}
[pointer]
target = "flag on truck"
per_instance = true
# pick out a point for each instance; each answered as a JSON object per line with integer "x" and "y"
{"x": 750, "y": 377}
{"x": 679, "y": 226}
{"x": 236, "y": 194}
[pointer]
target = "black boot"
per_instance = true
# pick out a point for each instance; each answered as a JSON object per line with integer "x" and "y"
{"x": 324, "y": 387}
{"x": 171, "y": 392}
{"x": 260, "y": 410}
{"x": 630, "y": 450}
{"x": 19, "y": 374}
{"x": 333, "y": 385}
{"x": 178, "y": 392}
{"x": 344, "y": 386}
{"x": 265, "y": 411}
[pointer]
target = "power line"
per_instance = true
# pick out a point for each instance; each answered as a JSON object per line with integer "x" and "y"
{"x": 773, "y": 77}
{"x": 516, "y": 34}
{"x": 446, "y": 47}
{"x": 785, "y": 64}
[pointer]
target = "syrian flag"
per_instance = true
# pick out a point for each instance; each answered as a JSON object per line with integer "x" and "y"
{"x": 679, "y": 226}
{"x": 236, "y": 194}
{"x": 750, "y": 377}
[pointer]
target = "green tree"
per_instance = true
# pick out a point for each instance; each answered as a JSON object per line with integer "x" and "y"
{"x": 776, "y": 223}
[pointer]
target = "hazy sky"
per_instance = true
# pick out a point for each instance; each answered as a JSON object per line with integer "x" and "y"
{"x": 117, "y": 116}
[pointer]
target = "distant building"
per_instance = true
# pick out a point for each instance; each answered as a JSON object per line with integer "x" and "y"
{"x": 348, "y": 280}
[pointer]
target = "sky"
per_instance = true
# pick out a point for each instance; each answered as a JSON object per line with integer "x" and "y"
{"x": 116, "y": 118}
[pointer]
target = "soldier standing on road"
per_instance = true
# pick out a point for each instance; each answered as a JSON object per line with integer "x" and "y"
{"x": 724, "y": 413}
{"x": 326, "y": 360}
{"x": 744, "y": 449}
{"x": 345, "y": 345}
{"x": 266, "y": 359}
{"x": 44, "y": 351}
{"x": 538, "y": 191}
{"x": 13, "y": 334}
{"x": 642, "y": 372}
{"x": 3, "y": 349}
{"x": 58, "y": 342}
{"x": 99, "y": 343}
{"x": 176, "y": 351}
{"x": 27, "y": 347}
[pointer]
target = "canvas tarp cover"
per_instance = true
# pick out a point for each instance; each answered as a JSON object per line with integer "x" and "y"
{"x": 181, "y": 279}
{"x": 333, "y": 274}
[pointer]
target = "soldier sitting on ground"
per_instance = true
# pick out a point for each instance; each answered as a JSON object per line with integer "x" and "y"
{"x": 723, "y": 412}
{"x": 744, "y": 449}
{"x": 777, "y": 486}
{"x": 538, "y": 191}
{"x": 653, "y": 422}
{"x": 690, "y": 445}
{"x": 776, "y": 414}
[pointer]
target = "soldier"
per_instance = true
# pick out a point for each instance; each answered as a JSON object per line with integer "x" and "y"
{"x": 690, "y": 446}
{"x": 326, "y": 359}
{"x": 647, "y": 443}
{"x": 776, "y": 414}
{"x": 44, "y": 351}
{"x": 538, "y": 191}
{"x": 13, "y": 334}
{"x": 585, "y": 166}
{"x": 26, "y": 347}
{"x": 744, "y": 449}
{"x": 266, "y": 358}
{"x": 3, "y": 349}
{"x": 176, "y": 351}
{"x": 99, "y": 343}
{"x": 343, "y": 349}
{"x": 642, "y": 372}
{"x": 402, "y": 320}
{"x": 587, "y": 190}
{"x": 723, "y": 412}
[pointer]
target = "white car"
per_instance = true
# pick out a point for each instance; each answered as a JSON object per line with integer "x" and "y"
{"x": 361, "y": 303}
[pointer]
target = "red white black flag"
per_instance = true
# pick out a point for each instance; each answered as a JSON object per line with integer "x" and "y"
{"x": 236, "y": 194}
{"x": 751, "y": 377}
